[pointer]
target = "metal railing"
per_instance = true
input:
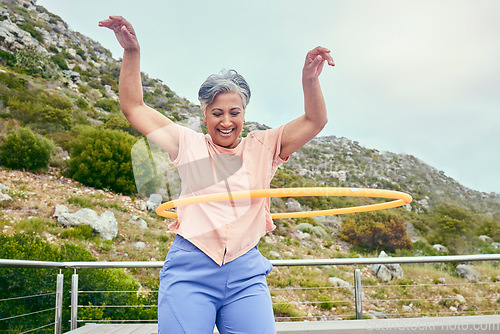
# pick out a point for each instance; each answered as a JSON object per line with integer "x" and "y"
{"x": 358, "y": 293}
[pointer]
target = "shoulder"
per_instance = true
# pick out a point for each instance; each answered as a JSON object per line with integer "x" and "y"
{"x": 267, "y": 135}
{"x": 189, "y": 134}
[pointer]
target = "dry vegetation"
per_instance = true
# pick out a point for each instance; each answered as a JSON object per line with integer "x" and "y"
{"x": 299, "y": 292}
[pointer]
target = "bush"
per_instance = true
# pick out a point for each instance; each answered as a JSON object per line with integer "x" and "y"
{"x": 30, "y": 27}
{"x": 119, "y": 122}
{"x": 7, "y": 58}
{"x": 23, "y": 149}
{"x": 376, "y": 230}
{"x": 12, "y": 81}
{"x": 36, "y": 63}
{"x": 453, "y": 227}
{"x": 34, "y": 281}
{"x": 109, "y": 105}
{"x": 60, "y": 61}
{"x": 101, "y": 158}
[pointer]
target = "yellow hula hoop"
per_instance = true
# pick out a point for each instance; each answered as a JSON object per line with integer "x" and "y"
{"x": 400, "y": 199}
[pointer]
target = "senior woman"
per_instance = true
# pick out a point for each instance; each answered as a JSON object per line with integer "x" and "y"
{"x": 213, "y": 273}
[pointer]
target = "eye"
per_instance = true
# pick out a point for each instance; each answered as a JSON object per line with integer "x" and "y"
{"x": 216, "y": 114}
{"x": 235, "y": 113}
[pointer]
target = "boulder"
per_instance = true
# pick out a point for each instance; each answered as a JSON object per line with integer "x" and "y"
{"x": 376, "y": 314}
{"x": 335, "y": 281}
{"x": 440, "y": 248}
{"x": 461, "y": 299}
{"x": 139, "y": 245}
{"x": 386, "y": 272}
{"x": 301, "y": 235}
{"x": 153, "y": 202}
{"x": 486, "y": 239}
{"x": 275, "y": 254}
{"x": 105, "y": 225}
{"x": 468, "y": 272}
{"x": 140, "y": 221}
{"x": 4, "y": 197}
{"x": 293, "y": 205}
{"x": 407, "y": 308}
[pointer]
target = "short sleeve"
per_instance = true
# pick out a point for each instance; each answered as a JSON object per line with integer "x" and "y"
{"x": 187, "y": 137}
{"x": 271, "y": 139}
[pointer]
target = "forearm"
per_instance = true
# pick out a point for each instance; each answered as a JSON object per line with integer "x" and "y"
{"x": 130, "y": 85}
{"x": 314, "y": 103}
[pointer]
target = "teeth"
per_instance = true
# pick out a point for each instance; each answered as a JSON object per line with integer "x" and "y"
{"x": 226, "y": 132}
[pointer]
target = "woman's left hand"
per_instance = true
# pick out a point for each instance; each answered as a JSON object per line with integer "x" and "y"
{"x": 315, "y": 60}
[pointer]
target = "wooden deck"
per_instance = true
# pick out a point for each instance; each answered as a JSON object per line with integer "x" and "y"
{"x": 487, "y": 324}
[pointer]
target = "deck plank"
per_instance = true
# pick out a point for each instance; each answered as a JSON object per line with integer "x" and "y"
{"x": 487, "y": 324}
{"x": 116, "y": 328}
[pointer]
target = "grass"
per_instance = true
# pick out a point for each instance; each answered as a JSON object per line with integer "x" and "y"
{"x": 34, "y": 226}
{"x": 91, "y": 202}
{"x": 293, "y": 288}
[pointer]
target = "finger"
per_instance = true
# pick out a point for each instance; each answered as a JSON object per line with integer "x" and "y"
{"x": 321, "y": 49}
{"x": 329, "y": 59}
{"x": 318, "y": 50}
{"x": 116, "y": 23}
{"x": 325, "y": 53}
{"x": 319, "y": 61}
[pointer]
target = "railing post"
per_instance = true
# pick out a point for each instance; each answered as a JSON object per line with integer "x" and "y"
{"x": 59, "y": 302}
{"x": 74, "y": 300}
{"x": 358, "y": 294}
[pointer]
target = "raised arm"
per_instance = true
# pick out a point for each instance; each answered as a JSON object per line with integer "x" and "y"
{"x": 145, "y": 119}
{"x": 304, "y": 128}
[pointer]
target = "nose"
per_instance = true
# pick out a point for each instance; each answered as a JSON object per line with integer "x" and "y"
{"x": 226, "y": 120}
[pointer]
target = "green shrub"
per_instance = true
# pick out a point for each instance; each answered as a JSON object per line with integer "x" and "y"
{"x": 12, "y": 81}
{"x": 32, "y": 112}
{"x": 285, "y": 310}
{"x": 36, "y": 63}
{"x": 119, "y": 122}
{"x": 30, "y": 27}
{"x": 23, "y": 149}
{"x": 34, "y": 281}
{"x": 101, "y": 158}
{"x": 82, "y": 103}
{"x": 454, "y": 227}
{"x": 35, "y": 225}
{"x": 7, "y": 58}
{"x": 109, "y": 105}
{"x": 60, "y": 61}
{"x": 81, "y": 232}
{"x": 63, "y": 139}
{"x": 376, "y": 230}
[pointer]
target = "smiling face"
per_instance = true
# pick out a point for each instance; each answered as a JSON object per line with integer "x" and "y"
{"x": 224, "y": 118}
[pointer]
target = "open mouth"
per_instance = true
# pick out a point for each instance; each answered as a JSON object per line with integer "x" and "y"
{"x": 225, "y": 133}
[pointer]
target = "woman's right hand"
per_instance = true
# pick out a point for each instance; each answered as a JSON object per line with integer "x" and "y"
{"x": 123, "y": 30}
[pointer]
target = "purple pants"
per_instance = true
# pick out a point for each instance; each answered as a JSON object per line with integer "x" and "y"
{"x": 196, "y": 294}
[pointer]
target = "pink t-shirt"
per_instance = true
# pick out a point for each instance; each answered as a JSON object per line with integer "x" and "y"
{"x": 226, "y": 230}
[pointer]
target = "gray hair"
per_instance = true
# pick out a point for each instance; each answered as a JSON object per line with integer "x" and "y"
{"x": 226, "y": 81}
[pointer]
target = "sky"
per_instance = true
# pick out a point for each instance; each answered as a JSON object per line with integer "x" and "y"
{"x": 413, "y": 77}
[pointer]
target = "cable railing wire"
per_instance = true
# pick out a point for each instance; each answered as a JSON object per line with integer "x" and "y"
{"x": 24, "y": 297}
{"x": 430, "y": 284}
{"x": 35, "y": 329}
{"x": 31, "y": 313}
{"x": 304, "y": 262}
{"x": 425, "y": 299}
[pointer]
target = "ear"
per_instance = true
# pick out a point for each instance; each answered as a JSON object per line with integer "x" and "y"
{"x": 205, "y": 117}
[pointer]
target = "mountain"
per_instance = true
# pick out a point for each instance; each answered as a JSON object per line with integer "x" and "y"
{"x": 62, "y": 84}
{"x": 46, "y": 65}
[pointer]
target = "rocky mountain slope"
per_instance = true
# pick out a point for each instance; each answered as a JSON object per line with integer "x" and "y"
{"x": 40, "y": 57}
{"x": 79, "y": 68}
